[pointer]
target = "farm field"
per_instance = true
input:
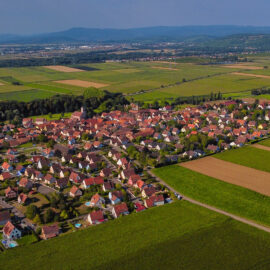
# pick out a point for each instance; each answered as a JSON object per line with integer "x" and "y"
{"x": 178, "y": 230}
{"x": 162, "y": 79}
{"x": 265, "y": 142}
{"x": 223, "y": 195}
{"x": 229, "y": 172}
{"x": 260, "y": 146}
{"x": 247, "y": 156}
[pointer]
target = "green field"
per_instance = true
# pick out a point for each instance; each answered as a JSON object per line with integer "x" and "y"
{"x": 161, "y": 80}
{"x": 248, "y": 156}
{"x": 265, "y": 142}
{"x": 176, "y": 236}
{"x": 231, "y": 198}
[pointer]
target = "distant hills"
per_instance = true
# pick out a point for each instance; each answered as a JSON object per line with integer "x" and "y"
{"x": 160, "y": 33}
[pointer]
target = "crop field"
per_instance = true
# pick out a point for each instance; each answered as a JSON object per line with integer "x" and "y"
{"x": 63, "y": 69}
{"x": 223, "y": 195}
{"x": 253, "y": 179}
{"x": 186, "y": 233}
{"x": 145, "y": 81}
{"x": 248, "y": 156}
{"x": 82, "y": 83}
{"x": 265, "y": 142}
{"x": 261, "y": 146}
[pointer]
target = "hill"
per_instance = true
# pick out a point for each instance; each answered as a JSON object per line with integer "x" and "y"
{"x": 160, "y": 33}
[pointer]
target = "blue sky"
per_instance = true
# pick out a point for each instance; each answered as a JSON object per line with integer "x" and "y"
{"x": 38, "y": 16}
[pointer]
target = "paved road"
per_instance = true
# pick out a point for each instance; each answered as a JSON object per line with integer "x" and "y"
{"x": 243, "y": 220}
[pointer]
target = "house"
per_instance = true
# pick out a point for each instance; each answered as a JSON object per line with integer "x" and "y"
{"x": 115, "y": 197}
{"x": 125, "y": 174}
{"x": 7, "y": 167}
{"x": 97, "y": 201}
{"x": 25, "y": 183}
{"x": 107, "y": 186}
{"x": 50, "y": 231}
{"x": 88, "y": 182}
{"x": 75, "y": 192}
{"x": 61, "y": 183}
{"x": 22, "y": 198}
{"x": 10, "y": 193}
{"x": 213, "y": 148}
{"x": 78, "y": 116}
{"x": 106, "y": 172}
{"x": 11, "y": 232}
{"x": 49, "y": 179}
{"x": 27, "y": 122}
{"x": 148, "y": 191}
{"x": 120, "y": 209}
{"x": 43, "y": 164}
{"x": 76, "y": 177}
{"x": 4, "y": 217}
{"x": 132, "y": 180}
{"x": 55, "y": 168}
{"x": 20, "y": 170}
{"x": 96, "y": 217}
{"x": 122, "y": 162}
{"x": 154, "y": 200}
{"x": 139, "y": 207}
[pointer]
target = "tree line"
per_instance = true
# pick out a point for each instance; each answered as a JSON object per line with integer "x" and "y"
{"x": 14, "y": 111}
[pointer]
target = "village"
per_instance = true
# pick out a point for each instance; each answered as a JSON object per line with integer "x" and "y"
{"x": 59, "y": 176}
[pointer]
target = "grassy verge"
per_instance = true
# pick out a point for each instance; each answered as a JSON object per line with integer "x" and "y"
{"x": 225, "y": 196}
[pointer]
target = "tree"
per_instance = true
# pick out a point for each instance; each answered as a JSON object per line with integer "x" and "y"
{"x": 37, "y": 219}
{"x": 49, "y": 215}
{"x": 31, "y": 211}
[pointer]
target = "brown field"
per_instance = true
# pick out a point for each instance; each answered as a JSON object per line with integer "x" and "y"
{"x": 165, "y": 68}
{"x": 64, "y": 69}
{"x": 82, "y": 83}
{"x": 1, "y": 84}
{"x": 251, "y": 75}
{"x": 243, "y": 67}
{"x": 253, "y": 179}
{"x": 263, "y": 147}
{"x": 165, "y": 62}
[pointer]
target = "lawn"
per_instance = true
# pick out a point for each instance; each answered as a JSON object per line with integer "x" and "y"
{"x": 27, "y": 240}
{"x": 176, "y": 236}
{"x": 248, "y": 156}
{"x": 231, "y": 198}
{"x": 56, "y": 116}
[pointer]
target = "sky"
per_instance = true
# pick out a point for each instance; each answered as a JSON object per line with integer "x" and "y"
{"x": 41, "y": 16}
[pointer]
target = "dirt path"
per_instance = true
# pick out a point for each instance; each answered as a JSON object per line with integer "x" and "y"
{"x": 259, "y": 146}
{"x": 240, "y": 219}
{"x": 250, "y": 178}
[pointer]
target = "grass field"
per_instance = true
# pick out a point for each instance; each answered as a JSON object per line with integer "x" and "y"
{"x": 161, "y": 79}
{"x": 176, "y": 236}
{"x": 225, "y": 196}
{"x": 55, "y": 116}
{"x": 248, "y": 156}
{"x": 265, "y": 142}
